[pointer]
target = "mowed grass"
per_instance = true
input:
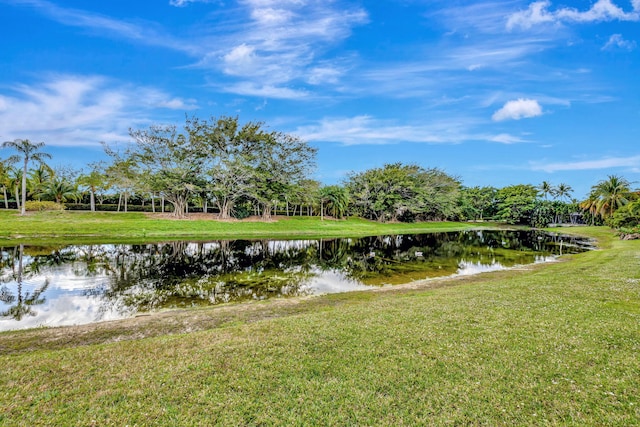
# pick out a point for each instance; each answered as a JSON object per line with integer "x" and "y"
{"x": 119, "y": 226}
{"x": 557, "y": 344}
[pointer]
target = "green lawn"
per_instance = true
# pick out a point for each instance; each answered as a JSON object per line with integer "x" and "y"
{"x": 114, "y": 226}
{"x": 557, "y": 344}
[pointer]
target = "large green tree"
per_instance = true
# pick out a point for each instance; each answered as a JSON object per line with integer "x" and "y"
{"x": 404, "y": 192}
{"x": 227, "y": 147}
{"x": 478, "y": 202}
{"x": 172, "y": 162}
{"x": 516, "y": 203}
{"x": 279, "y": 162}
{"x": 28, "y": 151}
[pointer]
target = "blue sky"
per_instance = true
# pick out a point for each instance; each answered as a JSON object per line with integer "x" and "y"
{"x": 494, "y": 92}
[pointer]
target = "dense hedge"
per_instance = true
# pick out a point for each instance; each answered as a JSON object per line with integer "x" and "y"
{"x": 38, "y": 206}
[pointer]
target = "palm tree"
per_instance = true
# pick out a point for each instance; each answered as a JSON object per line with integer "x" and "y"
{"x": 563, "y": 191}
{"x": 23, "y": 303}
{"x": 335, "y": 199}
{"x": 609, "y": 195}
{"x": 4, "y": 182}
{"x": 38, "y": 178}
{"x": 28, "y": 151}
{"x": 59, "y": 189}
{"x": 547, "y": 189}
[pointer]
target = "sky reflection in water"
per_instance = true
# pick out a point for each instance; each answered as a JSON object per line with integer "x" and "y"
{"x": 67, "y": 285}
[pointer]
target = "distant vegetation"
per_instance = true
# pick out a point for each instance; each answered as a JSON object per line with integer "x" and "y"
{"x": 235, "y": 170}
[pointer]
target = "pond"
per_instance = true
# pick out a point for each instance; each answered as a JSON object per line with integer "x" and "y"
{"x": 77, "y": 284}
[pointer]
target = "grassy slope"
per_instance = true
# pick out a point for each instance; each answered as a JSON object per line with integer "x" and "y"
{"x": 555, "y": 345}
{"x": 98, "y": 226}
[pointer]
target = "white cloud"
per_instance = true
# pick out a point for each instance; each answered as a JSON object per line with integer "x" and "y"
{"x": 323, "y": 74}
{"x": 505, "y": 138}
{"x": 266, "y": 91}
{"x": 179, "y": 3}
{"x": 606, "y": 163}
{"x": 616, "y": 41}
{"x": 241, "y": 60}
{"x": 69, "y": 110}
{"x": 366, "y": 130}
{"x": 281, "y": 43}
{"x": 183, "y": 3}
{"x": 602, "y": 10}
{"x": 518, "y": 109}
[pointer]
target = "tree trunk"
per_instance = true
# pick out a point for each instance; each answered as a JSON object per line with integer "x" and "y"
{"x": 126, "y": 201}
{"x": 266, "y": 212}
{"x": 93, "y": 200}
{"x": 6, "y": 202}
{"x": 18, "y": 197}
{"x": 24, "y": 185}
{"x": 225, "y": 209}
{"x": 119, "y": 201}
{"x": 153, "y": 203}
{"x": 162, "y": 204}
{"x": 180, "y": 206}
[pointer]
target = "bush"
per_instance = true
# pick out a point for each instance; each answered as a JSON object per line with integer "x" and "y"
{"x": 35, "y": 206}
{"x": 627, "y": 216}
{"x": 242, "y": 210}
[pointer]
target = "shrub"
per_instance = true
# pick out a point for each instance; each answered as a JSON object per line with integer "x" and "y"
{"x": 36, "y": 206}
{"x": 627, "y": 216}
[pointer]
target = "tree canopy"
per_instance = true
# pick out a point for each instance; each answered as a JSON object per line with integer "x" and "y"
{"x": 408, "y": 192}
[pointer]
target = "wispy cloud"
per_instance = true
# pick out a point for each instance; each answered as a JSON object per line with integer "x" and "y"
{"x": 263, "y": 90}
{"x": 539, "y": 12}
{"x": 505, "y": 138}
{"x": 263, "y": 44}
{"x": 605, "y": 163}
{"x": 518, "y": 109}
{"x": 616, "y": 41}
{"x": 281, "y": 44}
{"x": 76, "y": 110}
{"x": 146, "y": 33}
{"x": 183, "y": 3}
{"x": 367, "y": 130}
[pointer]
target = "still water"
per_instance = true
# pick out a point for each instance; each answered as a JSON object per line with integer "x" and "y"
{"x": 76, "y": 284}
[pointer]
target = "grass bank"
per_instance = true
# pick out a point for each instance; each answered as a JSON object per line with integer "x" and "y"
{"x": 557, "y": 344}
{"x": 121, "y": 227}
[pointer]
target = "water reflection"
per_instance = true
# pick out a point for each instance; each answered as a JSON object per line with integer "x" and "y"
{"x": 87, "y": 283}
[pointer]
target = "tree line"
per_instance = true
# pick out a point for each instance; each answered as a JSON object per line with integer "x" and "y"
{"x": 221, "y": 166}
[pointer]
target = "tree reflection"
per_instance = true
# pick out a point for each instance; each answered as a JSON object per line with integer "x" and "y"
{"x": 20, "y": 305}
{"x": 133, "y": 278}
